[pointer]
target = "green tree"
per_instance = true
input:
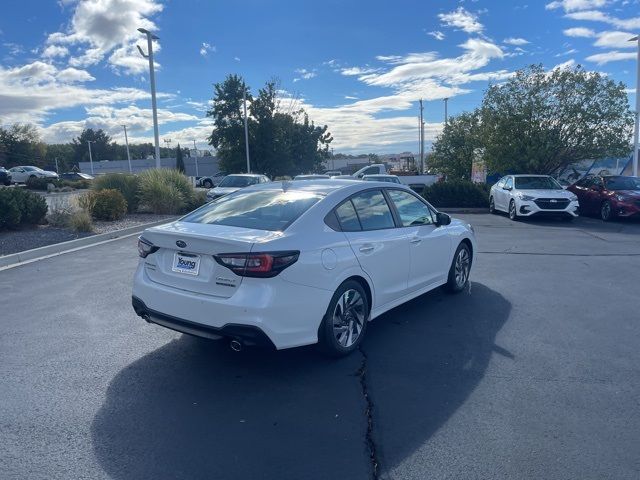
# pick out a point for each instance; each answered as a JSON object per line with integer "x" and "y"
{"x": 20, "y": 144}
{"x": 454, "y": 149}
{"x": 541, "y": 120}
{"x": 280, "y": 143}
{"x": 64, "y": 153}
{"x": 228, "y": 120}
{"x": 179, "y": 160}
{"x": 101, "y": 146}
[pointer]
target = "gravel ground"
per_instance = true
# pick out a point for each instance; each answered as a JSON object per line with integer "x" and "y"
{"x": 42, "y": 235}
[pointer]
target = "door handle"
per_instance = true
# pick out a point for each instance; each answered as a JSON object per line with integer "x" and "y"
{"x": 366, "y": 248}
{"x": 415, "y": 240}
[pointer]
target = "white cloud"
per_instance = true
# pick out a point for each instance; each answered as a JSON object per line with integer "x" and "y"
{"x": 573, "y": 5}
{"x": 461, "y": 19}
{"x": 205, "y": 48}
{"x": 568, "y": 64}
{"x": 304, "y": 74}
{"x": 104, "y": 26}
{"x": 598, "y": 16}
{"x": 515, "y": 41}
{"x": 612, "y": 56}
{"x": 615, "y": 40}
{"x": 73, "y": 75}
{"x": 53, "y": 51}
{"x": 437, "y": 34}
{"x": 353, "y": 71}
{"x": 579, "y": 32}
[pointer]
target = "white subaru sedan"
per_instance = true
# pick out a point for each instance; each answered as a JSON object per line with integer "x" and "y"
{"x": 529, "y": 195}
{"x": 298, "y": 263}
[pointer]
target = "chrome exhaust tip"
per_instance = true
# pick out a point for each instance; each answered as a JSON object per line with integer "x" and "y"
{"x": 235, "y": 345}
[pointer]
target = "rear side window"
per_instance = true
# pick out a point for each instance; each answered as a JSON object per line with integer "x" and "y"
{"x": 373, "y": 211}
{"x": 347, "y": 217}
{"x": 263, "y": 210}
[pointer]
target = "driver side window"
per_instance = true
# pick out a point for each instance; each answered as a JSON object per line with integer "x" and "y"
{"x": 412, "y": 212}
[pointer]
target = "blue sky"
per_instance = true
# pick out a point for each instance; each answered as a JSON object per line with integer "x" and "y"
{"x": 357, "y": 66}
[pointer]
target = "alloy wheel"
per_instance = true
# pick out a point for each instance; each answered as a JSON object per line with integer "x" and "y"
{"x": 512, "y": 210}
{"x": 605, "y": 211}
{"x": 348, "y": 318}
{"x": 462, "y": 267}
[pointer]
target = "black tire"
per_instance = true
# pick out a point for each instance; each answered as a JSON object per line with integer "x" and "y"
{"x": 492, "y": 206}
{"x": 606, "y": 212}
{"x": 329, "y": 331}
{"x": 459, "y": 278}
{"x": 513, "y": 214}
{"x": 207, "y": 184}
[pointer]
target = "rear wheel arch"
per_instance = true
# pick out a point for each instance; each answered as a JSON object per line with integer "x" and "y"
{"x": 365, "y": 285}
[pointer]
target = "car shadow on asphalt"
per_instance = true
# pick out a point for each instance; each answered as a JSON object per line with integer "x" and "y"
{"x": 195, "y": 409}
{"x": 424, "y": 360}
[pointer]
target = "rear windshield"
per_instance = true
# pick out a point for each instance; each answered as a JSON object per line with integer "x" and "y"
{"x": 263, "y": 210}
{"x": 233, "y": 181}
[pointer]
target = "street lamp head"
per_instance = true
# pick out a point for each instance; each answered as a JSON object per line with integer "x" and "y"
{"x": 634, "y": 39}
{"x": 147, "y": 32}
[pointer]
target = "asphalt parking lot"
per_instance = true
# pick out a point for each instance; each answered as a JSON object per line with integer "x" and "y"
{"x": 532, "y": 373}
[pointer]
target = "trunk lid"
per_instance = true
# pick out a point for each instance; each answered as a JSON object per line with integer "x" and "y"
{"x": 181, "y": 243}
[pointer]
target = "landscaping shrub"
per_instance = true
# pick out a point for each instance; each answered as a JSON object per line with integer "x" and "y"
{"x": 86, "y": 201}
{"x": 198, "y": 199}
{"x": 20, "y": 207}
{"x": 457, "y": 194}
{"x": 9, "y": 210}
{"x": 126, "y": 184}
{"x": 76, "y": 184}
{"x": 165, "y": 191}
{"x": 108, "y": 204}
{"x": 37, "y": 183}
{"x": 81, "y": 221}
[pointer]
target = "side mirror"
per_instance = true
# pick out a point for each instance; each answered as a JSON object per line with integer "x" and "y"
{"x": 442, "y": 219}
{"x": 507, "y": 188}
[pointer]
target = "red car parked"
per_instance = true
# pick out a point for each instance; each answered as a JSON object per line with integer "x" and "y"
{"x": 608, "y": 195}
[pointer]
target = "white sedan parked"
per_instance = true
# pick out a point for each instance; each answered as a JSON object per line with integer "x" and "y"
{"x": 22, "y": 174}
{"x": 297, "y": 263}
{"x": 528, "y": 195}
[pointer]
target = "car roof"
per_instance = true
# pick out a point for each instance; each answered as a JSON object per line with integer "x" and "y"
{"x": 527, "y": 175}
{"x": 381, "y": 175}
{"x": 322, "y": 186}
{"x": 245, "y": 175}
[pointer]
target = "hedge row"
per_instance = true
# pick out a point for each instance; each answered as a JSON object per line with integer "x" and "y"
{"x": 458, "y": 194}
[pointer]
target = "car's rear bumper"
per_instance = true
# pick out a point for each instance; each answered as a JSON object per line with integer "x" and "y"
{"x": 287, "y": 314}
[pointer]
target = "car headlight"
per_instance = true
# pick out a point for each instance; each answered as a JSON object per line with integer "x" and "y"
{"x": 573, "y": 198}
{"x": 621, "y": 198}
{"x": 526, "y": 198}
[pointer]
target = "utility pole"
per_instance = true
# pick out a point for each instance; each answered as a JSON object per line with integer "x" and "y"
{"x": 635, "y": 127}
{"x": 246, "y": 126}
{"x": 421, "y": 137}
{"x": 152, "y": 80}
{"x": 195, "y": 149}
{"x": 126, "y": 141}
{"x": 89, "y": 142}
{"x": 56, "y": 159}
{"x": 446, "y": 115}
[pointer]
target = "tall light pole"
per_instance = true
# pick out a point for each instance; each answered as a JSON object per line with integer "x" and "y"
{"x": 446, "y": 114}
{"x": 126, "y": 141}
{"x": 421, "y": 138}
{"x": 635, "y": 127}
{"x": 89, "y": 142}
{"x": 152, "y": 80}
{"x": 195, "y": 149}
{"x": 246, "y": 126}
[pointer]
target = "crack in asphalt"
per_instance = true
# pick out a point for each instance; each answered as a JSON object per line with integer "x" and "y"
{"x": 371, "y": 444}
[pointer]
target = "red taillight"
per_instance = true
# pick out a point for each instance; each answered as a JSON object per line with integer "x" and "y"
{"x": 145, "y": 247}
{"x": 262, "y": 265}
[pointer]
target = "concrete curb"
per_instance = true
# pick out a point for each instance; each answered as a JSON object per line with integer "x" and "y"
{"x": 28, "y": 256}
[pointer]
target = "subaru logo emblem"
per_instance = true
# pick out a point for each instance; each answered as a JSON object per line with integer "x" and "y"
{"x": 553, "y": 200}
{"x": 181, "y": 243}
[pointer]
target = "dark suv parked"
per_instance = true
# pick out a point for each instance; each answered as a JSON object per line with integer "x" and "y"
{"x": 5, "y": 176}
